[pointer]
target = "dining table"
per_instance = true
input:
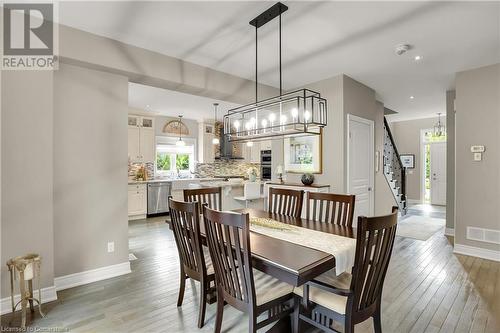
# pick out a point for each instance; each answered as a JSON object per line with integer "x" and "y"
{"x": 290, "y": 262}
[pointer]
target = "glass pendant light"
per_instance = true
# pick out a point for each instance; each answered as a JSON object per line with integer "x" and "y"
{"x": 180, "y": 142}
{"x": 215, "y": 140}
{"x": 439, "y": 128}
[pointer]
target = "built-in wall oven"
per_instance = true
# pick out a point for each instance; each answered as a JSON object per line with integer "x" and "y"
{"x": 265, "y": 165}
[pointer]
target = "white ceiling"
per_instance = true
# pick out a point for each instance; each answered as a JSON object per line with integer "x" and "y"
{"x": 172, "y": 103}
{"x": 320, "y": 40}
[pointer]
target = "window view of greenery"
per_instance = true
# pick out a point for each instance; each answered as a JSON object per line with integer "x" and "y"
{"x": 182, "y": 161}
{"x": 163, "y": 161}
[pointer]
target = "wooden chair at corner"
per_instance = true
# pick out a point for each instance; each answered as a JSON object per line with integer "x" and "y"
{"x": 238, "y": 284}
{"x": 212, "y": 196}
{"x": 322, "y": 304}
{"x": 194, "y": 263}
{"x": 285, "y": 202}
{"x": 330, "y": 208}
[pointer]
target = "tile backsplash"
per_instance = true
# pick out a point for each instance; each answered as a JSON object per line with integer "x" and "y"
{"x": 134, "y": 167}
{"x": 225, "y": 168}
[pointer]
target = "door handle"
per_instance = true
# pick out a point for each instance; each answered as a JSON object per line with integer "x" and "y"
{"x": 369, "y": 188}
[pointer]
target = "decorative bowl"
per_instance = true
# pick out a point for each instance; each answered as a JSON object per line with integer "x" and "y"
{"x": 307, "y": 179}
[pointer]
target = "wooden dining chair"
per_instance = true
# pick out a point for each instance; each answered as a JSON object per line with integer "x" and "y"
{"x": 238, "y": 284}
{"x": 210, "y": 195}
{"x": 322, "y": 304}
{"x": 285, "y": 201}
{"x": 194, "y": 262}
{"x": 330, "y": 208}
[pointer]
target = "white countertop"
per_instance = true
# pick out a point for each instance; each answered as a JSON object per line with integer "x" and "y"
{"x": 156, "y": 180}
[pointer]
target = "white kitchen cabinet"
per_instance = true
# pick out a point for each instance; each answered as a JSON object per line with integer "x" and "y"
{"x": 134, "y": 146}
{"x": 206, "y": 148}
{"x": 252, "y": 154}
{"x": 141, "y": 139}
{"x": 137, "y": 201}
{"x": 265, "y": 145}
{"x": 147, "y": 144}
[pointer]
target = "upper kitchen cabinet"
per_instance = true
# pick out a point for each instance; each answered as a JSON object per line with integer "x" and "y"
{"x": 265, "y": 145}
{"x": 206, "y": 150}
{"x": 141, "y": 138}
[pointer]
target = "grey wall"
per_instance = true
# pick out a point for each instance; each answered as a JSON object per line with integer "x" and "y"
{"x": 27, "y": 135}
{"x": 407, "y": 137}
{"x": 333, "y": 137}
{"x": 26, "y": 138}
{"x": 450, "y": 159}
{"x": 345, "y": 96}
{"x": 151, "y": 68}
{"x": 477, "y": 123}
{"x": 90, "y": 169}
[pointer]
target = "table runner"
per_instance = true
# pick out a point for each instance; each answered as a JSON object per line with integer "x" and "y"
{"x": 342, "y": 248}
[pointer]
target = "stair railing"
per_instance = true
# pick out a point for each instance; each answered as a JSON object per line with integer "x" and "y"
{"x": 392, "y": 164}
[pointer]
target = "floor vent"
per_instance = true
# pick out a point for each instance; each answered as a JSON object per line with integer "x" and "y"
{"x": 483, "y": 235}
{"x": 131, "y": 257}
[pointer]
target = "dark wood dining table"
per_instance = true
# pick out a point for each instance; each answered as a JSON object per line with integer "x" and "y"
{"x": 289, "y": 262}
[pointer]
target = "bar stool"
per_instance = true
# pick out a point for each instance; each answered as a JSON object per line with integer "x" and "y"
{"x": 26, "y": 269}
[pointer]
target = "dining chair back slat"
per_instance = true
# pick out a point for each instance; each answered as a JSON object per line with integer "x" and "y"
{"x": 375, "y": 239}
{"x": 330, "y": 208}
{"x": 186, "y": 229}
{"x": 285, "y": 201}
{"x": 185, "y": 225}
{"x": 211, "y": 196}
{"x": 228, "y": 239}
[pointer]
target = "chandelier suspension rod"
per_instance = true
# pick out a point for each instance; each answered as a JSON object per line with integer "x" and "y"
{"x": 256, "y": 71}
{"x": 281, "y": 77}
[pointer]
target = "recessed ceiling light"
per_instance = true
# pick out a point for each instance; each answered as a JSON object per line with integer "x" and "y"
{"x": 412, "y": 97}
{"x": 418, "y": 58}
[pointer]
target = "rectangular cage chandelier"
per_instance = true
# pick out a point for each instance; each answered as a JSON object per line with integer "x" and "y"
{"x": 297, "y": 113}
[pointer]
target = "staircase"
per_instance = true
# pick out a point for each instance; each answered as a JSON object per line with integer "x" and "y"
{"x": 394, "y": 171}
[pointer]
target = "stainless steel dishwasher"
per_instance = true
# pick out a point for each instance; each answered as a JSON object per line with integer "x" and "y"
{"x": 158, "y": 193}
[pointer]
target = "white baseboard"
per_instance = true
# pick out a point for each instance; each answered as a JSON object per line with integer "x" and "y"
{"x": 477, "y": 252}
{"x": 98, "y": 274}
{"x": 48, "y": 295}
{"x": 414, "y": 201}
{"x": 449, "y": 232}
{"x": 137, "y": 217}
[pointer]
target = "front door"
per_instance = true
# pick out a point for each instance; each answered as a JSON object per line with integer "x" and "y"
{"x": 438, "y": 173}
{"x": 360, "y": 170}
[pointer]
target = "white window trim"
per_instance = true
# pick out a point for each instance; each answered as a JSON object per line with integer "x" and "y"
{"x": 190, "y": 142}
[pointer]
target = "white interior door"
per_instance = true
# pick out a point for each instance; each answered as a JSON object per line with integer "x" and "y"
{"x": 438, "y": 173}
{"x": 360, "y": 172}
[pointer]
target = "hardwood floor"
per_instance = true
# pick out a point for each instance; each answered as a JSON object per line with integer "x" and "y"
{"x": 427, "y": 289}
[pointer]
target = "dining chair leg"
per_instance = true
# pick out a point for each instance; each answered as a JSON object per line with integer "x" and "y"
{"x": 252, "y": 325}
{"x": 296, "y": 316}
{"x": 377, "y": 321}
{"x": 220, "y": 310}
{"x": 181, "y": 287}
{"x": 203, "y": 303}
{"x": 349, "y": 326}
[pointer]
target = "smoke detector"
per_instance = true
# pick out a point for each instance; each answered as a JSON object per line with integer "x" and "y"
{"x": 402, "y": 48}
